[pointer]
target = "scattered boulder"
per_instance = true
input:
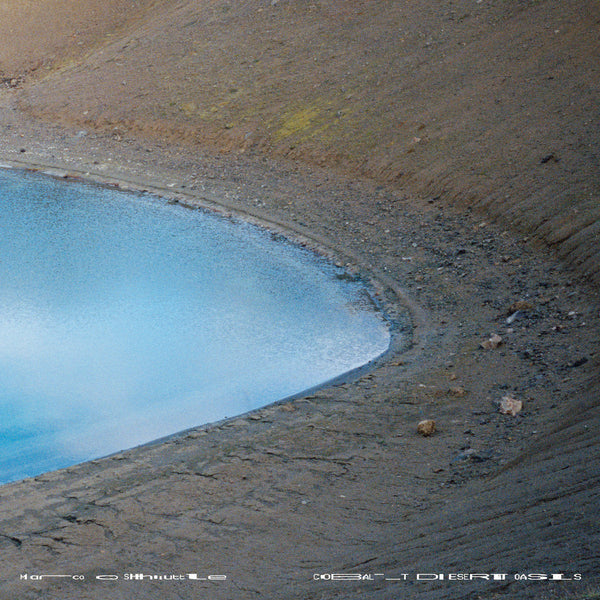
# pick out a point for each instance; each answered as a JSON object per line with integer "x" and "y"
{"x": 510, "y": 406}
{"x": 473, "y": 455}
{"x": 426, "y": 427}
{"x": 512, "y": 318}
{"x": 492, "y": 342}
{"x": 458, "y": 391}
{"x": 519, "y": 305}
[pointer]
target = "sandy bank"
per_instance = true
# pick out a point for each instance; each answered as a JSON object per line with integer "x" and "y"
{"x": 339, "y": 479}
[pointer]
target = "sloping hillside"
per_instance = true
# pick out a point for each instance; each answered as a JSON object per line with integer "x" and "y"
{"x": 482, "y": 104}
{"x": 428, "y": 118}
{"x": 35, "y": 35}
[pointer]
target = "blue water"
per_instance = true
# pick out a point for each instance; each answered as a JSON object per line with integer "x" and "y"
{"x": 124, "y": 319}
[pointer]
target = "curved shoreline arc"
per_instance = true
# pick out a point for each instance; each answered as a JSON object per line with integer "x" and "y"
{"x": 408, "y": 338}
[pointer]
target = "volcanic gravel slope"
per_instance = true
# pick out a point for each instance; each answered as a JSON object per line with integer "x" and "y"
{"x": 491, "y": 105}
{"x": 449, "y": 152}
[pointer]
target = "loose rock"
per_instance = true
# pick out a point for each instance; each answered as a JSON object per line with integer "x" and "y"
{"x": 492, "y": 342}
{"x": 510, "y": 406}
{"x": 426, "y": 427}
{"x": 457, "y": 391}
{"x": 519, "y": 305}
{"x": 512, "y": 318}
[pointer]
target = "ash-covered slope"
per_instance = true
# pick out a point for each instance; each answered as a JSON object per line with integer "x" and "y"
{"x": 485, "y": 105}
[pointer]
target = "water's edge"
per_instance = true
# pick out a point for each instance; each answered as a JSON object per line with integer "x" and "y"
{"x": 408, "y": 326}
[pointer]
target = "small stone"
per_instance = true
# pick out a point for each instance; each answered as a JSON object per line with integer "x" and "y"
{"x": 426, "y": 427}
{"x": 519, "y": 305}
{"x": 510, "y": 406}
{"x": 492, "y": 342}
{"x": 549, "y": 157}
{"x": 473, "y": 455}
{"x": 458, "y": 391}
{"x": 512, "y": 318}
{"x": 577, "y": 363}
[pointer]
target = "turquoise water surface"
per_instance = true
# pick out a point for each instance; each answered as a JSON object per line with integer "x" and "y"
{"x": 124, "y": 319}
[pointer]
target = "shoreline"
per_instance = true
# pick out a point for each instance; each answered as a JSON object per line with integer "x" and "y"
{"x": 337, "y": 480}
{"x": 403, "y": 334}
{"x": 377, "y": 285}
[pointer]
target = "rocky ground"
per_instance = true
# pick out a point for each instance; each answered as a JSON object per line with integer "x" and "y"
{"x": 445, "y": 153}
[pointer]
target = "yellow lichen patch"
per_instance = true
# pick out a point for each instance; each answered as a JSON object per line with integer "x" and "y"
{"x": 60, "y": 67}
{"x": 324, "y": 121}
{"x": 209, "y": 114}
{"x": 299, "y": 121}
